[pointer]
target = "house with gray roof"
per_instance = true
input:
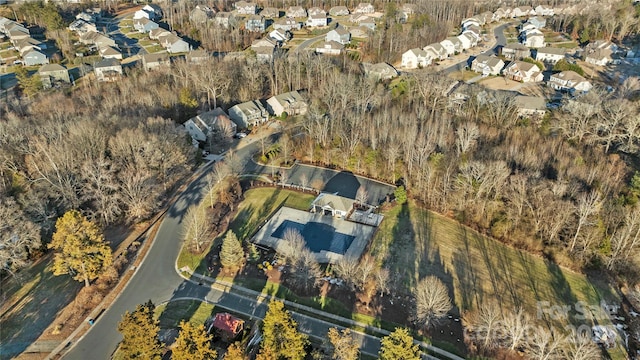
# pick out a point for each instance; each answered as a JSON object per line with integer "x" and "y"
{"x": 201, "y": 14}
{"x": 600, "y": 57}
{"x": 291, "y": 103}
{"x": 34, "y": 57}
{"x": 569, "y": 81}
{"x": 250, "y": 113}
{"x": 337, "y": 206}
{"x": 296, "y": 12}
{"x": 108, "y": 70}
{"x": 287, "y": 24}
{"x": 246, "y": 8}
{"x": 155, "y": 61}
{"x": 330, "y": 48}
{"x": 224, "y": 19}
{"x": 523, "y": 71}
{"x": 339, "y": 11}
{"x": 144, "y": 25}
{"x": 50, "y": 74}
{"x": 339, "y": 34}
{"x": 415, "y": 58}
{"x": 110, "y": 52}
{"x": 534, "y": 106}
{"x": 364, "y": 8}
{"x": 379, "y": 71}
{"x": 317, "y": 20}
{"x": 515, "y": 51}
{"x": 255, "y": 23}
{"x": 270, "y": 12}
{"x": 438, "y": 50}
{"x": 209, "y": 124}
{"x": 487, "y": 65}
{"x": 550, "y": 55}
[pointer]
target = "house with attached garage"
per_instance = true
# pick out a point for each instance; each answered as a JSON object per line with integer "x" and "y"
{"x": 501, "y": 13}
{"x": 198, "y": 56}
{"x": 110, "y": 52}
{"x": 473, "y": 40}
{"x": 515, "y": 51}
{"x": 330, "y": 48}
{"x": 154, "y": 61}
{"x": 523, "y": 71}
{"x": 206, "y": 126}
{"x": 550, "y": 55}
{"x": 264, "y": 48}
{"x": 379, "y": 71}
{"x": 51, "y": 74}
{"x": 537, "y": 21}
{"x": 224, "y": 19}
{"x": 600, "y": 57}
{"x": 532, "y": 38}
{"x": 465, "y": 42}
{"x": 246, "y": 8}
{"x": 448, "y": 46}
{"x": 339, "y": 34}
{"x": 144, "y": 25}
{"x": 316, "y": 11}
{"x": 339, "y": 11}
{"x": 318, "y": 20}
{"x": 154, "y": 10}
{"x": 174, "y": 44}
{"x": 368, "y": 22}
{"x": 25, "y": 45}
{"x": 98, "y": 39}
{"x": 469, "y": 22}
{"x": 544, "y": 10}
{"x": 522, "y": 11}
{"x": 250, "y": 113}
{"x": 291, "y": 103}
{"x": 34, "y": 57}
{"x": 415, "y": 58}
{"x": 296, "y": 12}
{"x": 364, "y": 8}
{"x": 533, "y": 106}
{"x": 440, "y": 53}
{"x": 108, "y": 70}
{"x": 280, "y": 36}
{"x": 286, "y": 24}
{"x": 487, "y": 65}
{"x": 270, "y": 13}
{"x": 569, "y": 81}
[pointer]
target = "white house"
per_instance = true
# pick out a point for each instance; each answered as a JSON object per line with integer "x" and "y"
{"x": 292, "y": 103}
{"x": 339, "y": 11}
{"x": 530, "y": 105}
{"x": 316, "y": 11}
{"x": 296, "y": 12}
{"x": 330, "y": 48}
{"x": 108, "y": 70}
{"x": 600, "y": 57}
{"x": 202, "y": 127}
{"x": 35, "y": 57}
{"x": 286, "y": 24}
{"x": 473, "y": 40}
{"x": 332, "y": 204}
{"x": 110, "y": 52}
{"x": 544, "y": 10}
{"x": 522, "y": 11}
{"x": 448, "y": 47}
{"x": 245, "y": 8}
{"x": 174, "y": 44}
{"x": 472, "y": 21}
{"x": 201, "y": 14}
{"x": 437, "y": 49}
{"x": 523, "y": 71}
{"x": 464, "y": 41}
{"x": 532, "y": 38}
{"x": 318, "y": 20}
{"x": 379, "y": 71}
{"x": 569, "y": 81}
{"x": 364, "y": 8}
{"x": 249, "y": 113}
{"x": 144, "y": 25}
{"x": 339, "y": 34}
{"x": 280, "y": 35}
{"x": 550, "y": 55}
{"x": 487, "y": 65}
{"x": 415, "y": 58}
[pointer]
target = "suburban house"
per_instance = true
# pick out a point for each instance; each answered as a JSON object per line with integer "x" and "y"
{"x": 538, "y": 22}
{"x": 286, "y": 24}
{"x": 201, "y": 14}
{"x": 569, "y": 81}
{"x": 255, "y": 23}
{"x": 108, "y": 70}
{"x": 465, "y": 41}
{"x": 515, "y": 51}
{"x": 291, "y": 103}
{"x": 154, "y": 10}
{"x": 527, "y": 26}
{"x": 415, "y": 58}
{"x": 473, "y": 40}
{"x": 599, "y": 57}
{"x": 80, "y": 26}
{"x": 339, "y": 11}
{"x": 448, "y": 47}
{"x": 51, "y": 74}
{"x": 25, "y": 45}
{"x": 368, "y": 22}
{"x": 270, "y": 13}
{"x": 339, "y": 34}
{"x": 249, "y": 113}
{"x": 317, "y": 20}
{"x": 601, "y": 44}
{"x": 174, "y": 44}
{"x": 144, "y": 25}
{"x": 523, "y": 71}
{"x": 156, "y": 33}
{"x": 532, "y": 38}
{"x": 533, "y": 106}
{"x": 264, "y": 48}
{"x": 437, "y": 49}
{"x": 296, "y": 12}
{"x": 332, "y": 204}
{"x": 486, "y": 17}
{"x": 154, "y": 61}
{"x": 110, "y": 52}
{"x": 379, "y": 71}
{"x": 359, "y": 32}
{"x": 223, "y": 19}
{"x": 469, "y": 22}
{"x": 34, "y": 57}
{"x": 95, "y": 38}
{"x": 197, "y": 56}
{"x": 226, "y": 326}
{"x": 550, "y": 55}
{"x": 245, "y": 8}
{"x": 522, "y": 11}
{"x": 280, "y": 36}
{"x": 364, "y": 8}
{"x": 487, "y": 65}
{"x": 316, "y": 11}
{"x": 330, "y": 48}
{"x": 501, "y": 13}
{"x": 204, "y": 126}
{"x": 544, "y": 10}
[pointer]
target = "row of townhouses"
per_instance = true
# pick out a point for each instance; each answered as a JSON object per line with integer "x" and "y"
{"x": 30, "y": 49}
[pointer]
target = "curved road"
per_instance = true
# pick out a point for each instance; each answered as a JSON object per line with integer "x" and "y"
{"x": 156, "y": 279}
{"x": 501, "y": 40}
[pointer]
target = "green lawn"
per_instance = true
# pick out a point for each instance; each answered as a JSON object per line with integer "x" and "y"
{"x": 136, "y": 35}
{"x": 416, "y": 243}
{"x": 565, "y": 44}
{"x": 145, "y": 43}
{"x": 154, "y": 48}
{"x": 172, "y": 313}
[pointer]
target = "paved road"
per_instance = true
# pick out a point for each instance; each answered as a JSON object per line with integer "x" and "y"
{"x": 128, "y": 45}
{"x": 501, "y": 40}
{"x": 156, "y": 279}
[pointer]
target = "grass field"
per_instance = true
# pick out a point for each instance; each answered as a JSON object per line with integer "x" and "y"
{"x": 417, "y": 243}
{"x": 172, "y": 313}
{"x": 258, "y": 205}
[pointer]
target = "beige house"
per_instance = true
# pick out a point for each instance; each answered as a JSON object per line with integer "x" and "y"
{"x": 291, "y": 103}
{"x": 331, "y": 204}
{"x": 523, "y": 71}
{"x": 51, "y": 74}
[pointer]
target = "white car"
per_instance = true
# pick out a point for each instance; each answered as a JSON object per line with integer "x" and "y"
{"x": 240, "y": 135}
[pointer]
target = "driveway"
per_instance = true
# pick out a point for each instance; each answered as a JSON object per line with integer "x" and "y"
{"x": 500, "y": 40}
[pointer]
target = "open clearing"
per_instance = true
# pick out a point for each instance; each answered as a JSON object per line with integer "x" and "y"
{"x": 416, "y": 243}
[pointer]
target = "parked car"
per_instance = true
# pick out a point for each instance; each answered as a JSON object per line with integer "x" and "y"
{"x": 240, "y": 135}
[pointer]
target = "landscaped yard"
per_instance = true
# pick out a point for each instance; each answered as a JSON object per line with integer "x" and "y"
{"x": 464, "y": 75}
{"x": 196, "y": 312}
{"x": 416, "y": 243}
{"x": 155, "y": 48}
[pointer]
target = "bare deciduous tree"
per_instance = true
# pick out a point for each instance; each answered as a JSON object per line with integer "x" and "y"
{"x": 543, "y": 344}
{"x": 432, "y": 301}
{"x": 362, "y": 195}
{"x": 196, "y": 228}
{"x": 292, "y": 250}
{"x": 466, "y": 136}
{"x": 343, "y": 345}
{"x": 18, "y": 237}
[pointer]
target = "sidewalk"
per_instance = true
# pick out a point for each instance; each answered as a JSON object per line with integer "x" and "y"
{"x": 260, "y": 297}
